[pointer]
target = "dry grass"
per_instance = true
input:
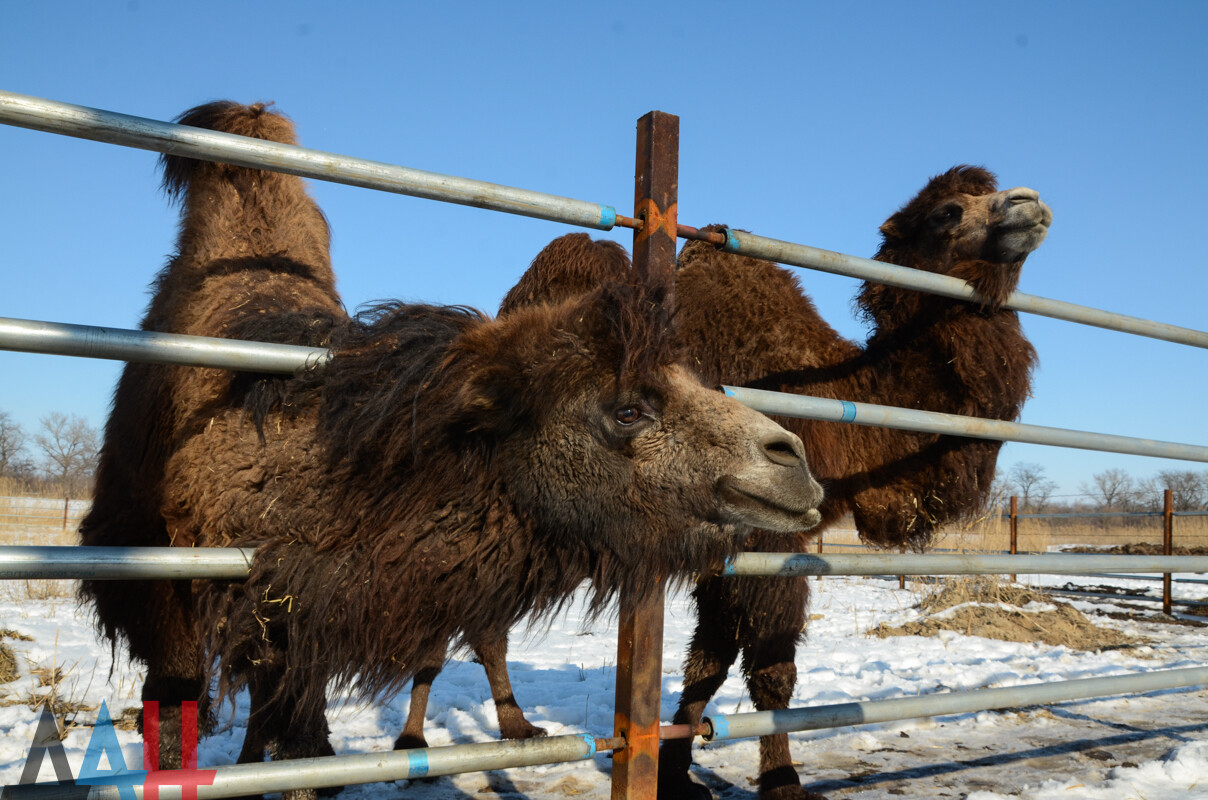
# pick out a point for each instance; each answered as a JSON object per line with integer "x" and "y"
{"x": 955, "y": 591}
{"x": 993, "y": 608}
{"x": 8, "y": 664}
{"x": 53, "y": 686}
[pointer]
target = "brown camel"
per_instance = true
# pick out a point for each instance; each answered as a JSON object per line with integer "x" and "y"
{"x": 443, "y": 476}
{"x": 925, "y": 352}
{"x": 284, "y": 267}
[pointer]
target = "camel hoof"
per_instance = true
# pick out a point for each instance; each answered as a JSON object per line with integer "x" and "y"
{"x": 524, "y": 731}
{"x": 684, "y": 789}
{"x": 790, "y": 793}
{"x": 406, "y": 741}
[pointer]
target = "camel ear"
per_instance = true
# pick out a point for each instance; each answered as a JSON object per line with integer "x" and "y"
{"x": 485, "y": 401}
{"x": 890, "y": 230}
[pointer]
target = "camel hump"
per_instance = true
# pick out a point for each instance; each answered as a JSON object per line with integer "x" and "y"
{"x": 257, "y": 121}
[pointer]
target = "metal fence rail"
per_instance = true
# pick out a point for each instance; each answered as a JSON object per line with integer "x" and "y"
{"x": 125, "y": 563}
{"x": 762, "y": 723}
{"x": 799, "y": 255}
{"x": 234, "y": 563}
{"x": 331, "y": 771}
{"x": 122, "y": 344}
{"x": 82, "y": 122}
{"x": 768, "y": 564}
{"x": 151, "y": 347}
{"x": 805, "y": 406}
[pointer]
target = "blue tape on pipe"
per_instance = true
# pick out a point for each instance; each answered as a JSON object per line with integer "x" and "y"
{"x": 728, "y": 569}
{"x": 608, "y": 217}
{"x": 849, "y": 411}
{"x": 728, "y": 391}
{"x": 721, "y": 728}
{"x": 417, "y": 764}
{"x": 591, "y": 744}
{"x": 731, "y": 245}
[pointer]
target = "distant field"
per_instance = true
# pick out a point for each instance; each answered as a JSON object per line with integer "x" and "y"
{"x": 28, "y": 519}
{"x": 40, "y": 520}
{"x": 993, "y": 534}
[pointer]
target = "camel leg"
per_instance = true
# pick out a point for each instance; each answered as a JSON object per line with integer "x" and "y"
{"x": 713, "y": 649}
{"x": 412, "y": 735}
{"x": 169, "y": 646}
{"x": 255, "y": 741}
{"x": 771, "y": 677}
{"x": 512, "y": 724}
{"x": 769, "y": 664}
{"x": 283, "y": 727}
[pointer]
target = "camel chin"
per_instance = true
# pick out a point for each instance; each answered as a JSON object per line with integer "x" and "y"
{"x": 1025, "y": 223}
{"x": 751, "y": 503}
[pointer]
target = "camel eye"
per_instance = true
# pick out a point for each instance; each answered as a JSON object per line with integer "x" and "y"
{"x": 627, "y": 415}
{"x": 947, "y": 215}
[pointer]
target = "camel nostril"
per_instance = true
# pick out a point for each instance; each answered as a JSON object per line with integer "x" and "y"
{"x": 1022, "y": 194}
{"x": 785, "y": 450}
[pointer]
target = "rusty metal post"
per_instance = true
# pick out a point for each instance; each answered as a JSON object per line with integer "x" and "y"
{"x": 66, "y": 505}
{"x": 656, "y": 191}
{"x": 819, "y": 577}
{"x": 902, "y": 578}
{"x": 635, "y": 766}
{"x": 1014, "y": 529}
{"x": 1167, "y": 544}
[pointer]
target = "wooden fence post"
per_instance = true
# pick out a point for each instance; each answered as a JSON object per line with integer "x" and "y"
{"x": 1167, "y": 544}
{"x": 1014, "y": 529}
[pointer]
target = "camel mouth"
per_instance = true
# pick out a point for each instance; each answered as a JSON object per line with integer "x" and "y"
{"x": 1014, "y": 242}
{"x": 752, "y": 504}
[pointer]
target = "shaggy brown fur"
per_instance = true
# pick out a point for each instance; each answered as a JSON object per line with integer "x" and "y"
{"x": 231, "y": 267}
{"x": 568, "y": 267}
{"x": 925, "y": 352}
{"x": 443, "y": 476}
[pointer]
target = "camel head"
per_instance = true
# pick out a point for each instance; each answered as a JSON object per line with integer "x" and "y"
{"x": 605, "y": 438}
{"x": 960, "y": 225}
{"x": 569, "y": 266}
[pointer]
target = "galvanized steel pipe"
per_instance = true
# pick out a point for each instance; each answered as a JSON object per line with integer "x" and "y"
{"x": 126, "y": 563}
{"x": 764, "y": 723}
{"x": 182, "y": 140}
{"x": 822, "y": 408}
{"x": 317, "y": 773}
{"x": 799, "y": 255}
{"x": 963, "y": 564}
{"x": 232, "y": 563}
{"x": 122, "y": 344}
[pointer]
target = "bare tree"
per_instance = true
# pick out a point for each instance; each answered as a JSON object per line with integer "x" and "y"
{"x": 1188, "y": 487}
{"x": 12, "y": 445}
{"x": 1149, "y": 494}
{"x": 1113, "y": 490}
{"x": 1027, "y": 480}
{"x": 69, "y": 447}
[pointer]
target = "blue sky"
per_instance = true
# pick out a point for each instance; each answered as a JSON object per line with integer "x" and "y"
{"x": 810, "y": 122}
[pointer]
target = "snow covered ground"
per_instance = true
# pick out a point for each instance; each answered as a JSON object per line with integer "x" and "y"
{"x": 1151, "y": 747}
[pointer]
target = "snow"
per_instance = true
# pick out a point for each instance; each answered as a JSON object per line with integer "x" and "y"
{"x": 1153, "y": 746}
